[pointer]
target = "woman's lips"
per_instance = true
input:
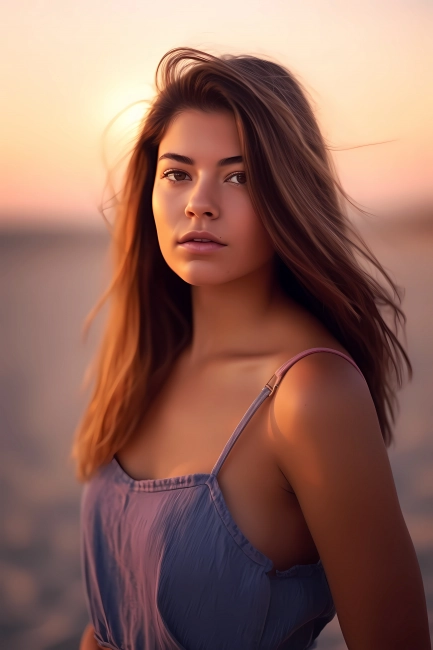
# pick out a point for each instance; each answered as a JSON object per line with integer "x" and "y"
{"x": 201, "y": 247}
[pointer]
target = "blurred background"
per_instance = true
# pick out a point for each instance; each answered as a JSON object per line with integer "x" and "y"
{"x": 66, "y": 70}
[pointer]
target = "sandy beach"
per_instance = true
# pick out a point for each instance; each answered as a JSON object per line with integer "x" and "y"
{"x": 48, "y": 283}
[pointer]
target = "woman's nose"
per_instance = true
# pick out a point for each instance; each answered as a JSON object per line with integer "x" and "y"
{"x": 201, "y": 204}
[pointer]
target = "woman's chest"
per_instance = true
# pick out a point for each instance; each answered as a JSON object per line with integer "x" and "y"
{"x": 185, "y": 433}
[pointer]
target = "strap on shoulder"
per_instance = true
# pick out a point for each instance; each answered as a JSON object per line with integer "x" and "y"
{"x": 266, "y": 391}
{"x": 272, "y": 384}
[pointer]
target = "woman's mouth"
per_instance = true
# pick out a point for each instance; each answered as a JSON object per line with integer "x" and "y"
{"x": 201, "y": 246}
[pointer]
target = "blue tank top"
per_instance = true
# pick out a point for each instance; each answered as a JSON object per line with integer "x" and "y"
{"x": 165, "y": 566}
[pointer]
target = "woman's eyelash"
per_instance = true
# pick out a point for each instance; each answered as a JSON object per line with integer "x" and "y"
{"x": 172, "y": 171}
{"x": 178, "y": 171}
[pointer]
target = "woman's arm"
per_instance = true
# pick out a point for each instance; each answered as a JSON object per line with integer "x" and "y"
{"x": 329, "y": 446}
{"x": 88, "y": 641}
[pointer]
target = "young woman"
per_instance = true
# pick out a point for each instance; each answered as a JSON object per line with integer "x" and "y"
{"x": 242, "y": 312}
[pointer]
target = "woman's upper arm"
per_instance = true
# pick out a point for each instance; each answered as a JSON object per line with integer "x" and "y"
{"x": 330, "y": 448}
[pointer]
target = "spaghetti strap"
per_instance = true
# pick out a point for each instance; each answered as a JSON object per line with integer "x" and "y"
{"x": 269, "y": 388}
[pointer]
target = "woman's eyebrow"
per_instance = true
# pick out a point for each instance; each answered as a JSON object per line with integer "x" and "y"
{"x": 189, "y": 161}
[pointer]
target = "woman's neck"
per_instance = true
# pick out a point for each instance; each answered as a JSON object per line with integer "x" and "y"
{"x": 235, "y": 318}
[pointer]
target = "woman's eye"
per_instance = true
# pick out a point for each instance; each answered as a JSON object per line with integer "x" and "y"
{"x": 242, "y": 175}
{"x": 180, "y": 176}
{"x": 173, "y": 172}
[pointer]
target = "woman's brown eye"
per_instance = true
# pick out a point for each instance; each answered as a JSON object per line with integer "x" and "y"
{"x": 242, "y": 175}
{"x": 174, "y": 173}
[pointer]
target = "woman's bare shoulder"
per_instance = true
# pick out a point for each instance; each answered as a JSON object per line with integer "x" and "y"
{"x": 326, "y": 389}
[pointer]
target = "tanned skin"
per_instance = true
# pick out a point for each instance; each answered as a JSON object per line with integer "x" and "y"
{"x": 321, "y": 424}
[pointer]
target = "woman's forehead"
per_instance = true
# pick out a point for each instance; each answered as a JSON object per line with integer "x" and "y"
{"x": 195, "y": 127}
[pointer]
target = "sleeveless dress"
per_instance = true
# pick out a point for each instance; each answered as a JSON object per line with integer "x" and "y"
{"x": 165, "y": 566}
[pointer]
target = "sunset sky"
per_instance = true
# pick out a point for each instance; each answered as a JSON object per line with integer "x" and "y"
{"x": 68, "y": 67}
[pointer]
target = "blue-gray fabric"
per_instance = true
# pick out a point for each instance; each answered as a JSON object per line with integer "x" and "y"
{"x": 166, "y": 567}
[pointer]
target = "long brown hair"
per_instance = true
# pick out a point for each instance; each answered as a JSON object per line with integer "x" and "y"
{"x": 321, "y": 260}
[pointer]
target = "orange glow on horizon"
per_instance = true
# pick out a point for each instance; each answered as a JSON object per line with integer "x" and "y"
{"x": 366, "y": 68}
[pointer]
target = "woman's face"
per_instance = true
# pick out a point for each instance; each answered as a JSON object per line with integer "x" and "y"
{"x": 206, "y": 193}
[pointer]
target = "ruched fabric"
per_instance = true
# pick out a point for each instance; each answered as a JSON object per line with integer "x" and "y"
{"x": 165, "y": 566}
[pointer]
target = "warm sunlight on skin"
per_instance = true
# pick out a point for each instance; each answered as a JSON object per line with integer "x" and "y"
{"x": 205, "y": 196}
